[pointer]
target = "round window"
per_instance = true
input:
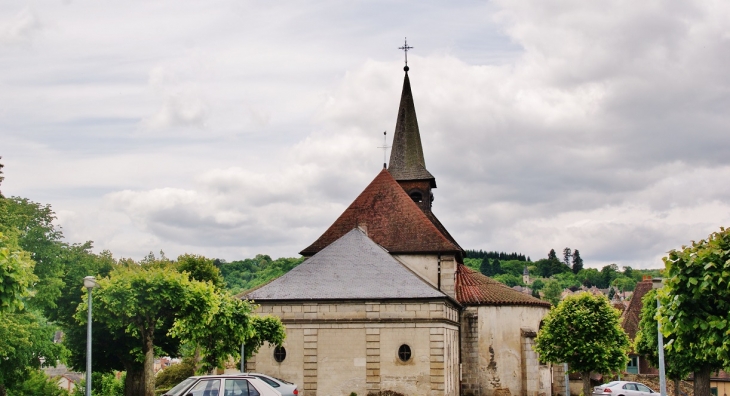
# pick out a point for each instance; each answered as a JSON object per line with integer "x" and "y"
{"x": 404, "y": 353}
{"x": 279, "y": 354}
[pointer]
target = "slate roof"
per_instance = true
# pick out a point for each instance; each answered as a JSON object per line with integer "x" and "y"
{"x": 352, "y": 267}
{"x": 473, "y": 288}
{"x": 632, "y": 314}
{"x": 406, "y": 156}
{"x": 392, "y": 219}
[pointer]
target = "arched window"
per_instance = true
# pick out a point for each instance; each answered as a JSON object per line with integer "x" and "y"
{"x": 416, "y": 196}
{"x": 279, "y": 354}
{"x": 404, "y": 353}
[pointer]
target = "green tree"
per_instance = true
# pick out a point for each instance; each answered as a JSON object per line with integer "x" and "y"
{"x": 201, "y": 269}
{"x": 486, "y": 267}
{"x": 31, "y": 224}
{"x": 695, "y": 305}
{"x": 37, "y": 383}
{"x": 569, "y": 334}
{"x": 552, "y": 255}
{"x": 16, "y": 275}
{"x": 567, "y": 254}
{"x": 590, "y": 277}
{"x": 624, "y": 284}
{"x": 174, "y": 374}
{"x": 677, "y": 365}
{"x": 25, "y": 335}
{"x": 138, "y": 300}
{"x": 577, "y": 262}
{"x": 497, "y": 267}
{"x": 537, "y": 284}
{"x": 509, "y": 279}
{"x": 566, "y": 280}
{"x": 552, "y": 291}
{"x": 608, "y": 274}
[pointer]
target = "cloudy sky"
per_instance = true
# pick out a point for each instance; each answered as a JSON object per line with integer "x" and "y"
{"x": 230, "y": 128}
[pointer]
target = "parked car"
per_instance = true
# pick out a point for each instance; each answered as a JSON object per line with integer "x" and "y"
{"x": 286, "y": 388}
{"x": 223, "y": 385}
{"x": 622, "y": 388}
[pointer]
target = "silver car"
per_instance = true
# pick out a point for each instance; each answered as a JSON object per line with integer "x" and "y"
{"x": 222, "y": 385}
{"x": 286, "y": 388}
{"x": 622, "y": 388}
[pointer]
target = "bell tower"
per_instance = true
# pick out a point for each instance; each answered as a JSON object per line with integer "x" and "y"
{"x": 406, "y": 157}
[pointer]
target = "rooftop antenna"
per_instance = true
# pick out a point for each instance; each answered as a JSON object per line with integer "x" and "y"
{"x": 385, "y": 147}
{"x": 405, "y": 49}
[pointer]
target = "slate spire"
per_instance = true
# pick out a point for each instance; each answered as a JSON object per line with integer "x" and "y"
{"x": 406, "y": 156}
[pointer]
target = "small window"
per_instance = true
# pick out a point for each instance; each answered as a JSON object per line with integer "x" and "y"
{"x": 279, "y": 354}
{"x": 404, "y": 353}
{"x": 416, "y": 196}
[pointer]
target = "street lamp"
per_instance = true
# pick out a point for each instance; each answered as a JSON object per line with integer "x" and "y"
{"x": 89, "y": 283}
{"x": 658, "y": 283}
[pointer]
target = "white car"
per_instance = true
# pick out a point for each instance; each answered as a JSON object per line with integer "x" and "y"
{"x": 622, "y": 388}
{"x": 223, "y": 385}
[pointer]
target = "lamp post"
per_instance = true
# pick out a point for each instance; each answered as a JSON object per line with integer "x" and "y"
{"x": 658, "y": 283}
{"x": 89, "y": 283}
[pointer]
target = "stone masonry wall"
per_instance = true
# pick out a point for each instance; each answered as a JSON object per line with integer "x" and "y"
{"x": 470, "y": 353}
{"x": 335, "y": 349}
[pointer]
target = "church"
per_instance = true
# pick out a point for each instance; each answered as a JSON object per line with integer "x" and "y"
{"x": 383, "y": 302}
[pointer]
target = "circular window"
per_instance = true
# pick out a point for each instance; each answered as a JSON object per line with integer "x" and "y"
{"x": 404, "y": 353}
{"x": 279, "y": 354}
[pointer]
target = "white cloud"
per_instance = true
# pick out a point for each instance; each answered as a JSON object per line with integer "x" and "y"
{"x": 599, "y": 126}
{"x": 21, "y": 28}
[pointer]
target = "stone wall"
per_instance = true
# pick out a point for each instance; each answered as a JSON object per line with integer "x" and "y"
{"x": 427, "y": 267}
{"x": 335, "y": 349}
{"x": 470, "y": 368}
{"x": 495, "y": 358}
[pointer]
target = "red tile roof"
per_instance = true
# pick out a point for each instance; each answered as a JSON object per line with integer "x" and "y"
{"x": 392, "y": 220}
{"x": 632, "y": 315}
{"x": 473, "y": 288}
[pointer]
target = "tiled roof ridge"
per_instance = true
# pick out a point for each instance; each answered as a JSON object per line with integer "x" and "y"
{"x": 385, "y": 183}
{"x": 474, "y": 288}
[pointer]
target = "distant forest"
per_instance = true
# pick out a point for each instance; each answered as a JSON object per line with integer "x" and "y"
{"x": 242, "y": 275}
{"x": 481, "y": 254}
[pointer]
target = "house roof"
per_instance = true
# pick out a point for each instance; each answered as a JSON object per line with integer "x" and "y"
{"x": 473, "y": 288}
{"x": 406, "y": 157}
{"x": 632, "y": 314}
{"x": 392, "y": 220}
{"x": 352, "y": 267}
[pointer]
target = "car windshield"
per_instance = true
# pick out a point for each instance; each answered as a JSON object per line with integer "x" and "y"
{"x": 610, "y": 384}
{"x": 286, "y": 382}
{"x": 179, "y": 387}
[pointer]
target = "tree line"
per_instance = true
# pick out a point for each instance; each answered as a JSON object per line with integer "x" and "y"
{"x": 481, "y": 254}
{"x": 551, "y": 275}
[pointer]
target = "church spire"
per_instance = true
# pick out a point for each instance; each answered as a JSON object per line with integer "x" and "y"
{"x": 406, "y": 156}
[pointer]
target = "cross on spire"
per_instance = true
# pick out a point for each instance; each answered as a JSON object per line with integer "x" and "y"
{"x": 385, "y": 148}
{"x": 405, "y": 49}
